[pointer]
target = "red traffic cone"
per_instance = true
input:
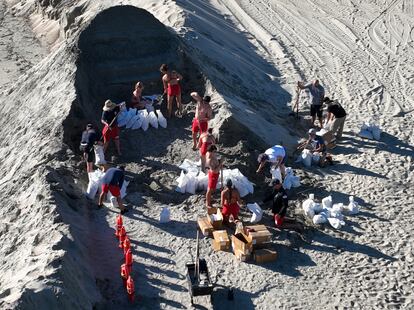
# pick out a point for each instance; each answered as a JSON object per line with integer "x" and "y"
{"x": 122, "y": 236}
{"x": 119, "y": 224}
{"x": 124, "y": 274}
{"x": 127, "y": 244}
{"x": 128, "y": 260}
{"x": 130, "y": 289}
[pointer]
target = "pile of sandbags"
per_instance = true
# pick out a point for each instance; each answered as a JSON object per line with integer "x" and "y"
{"x": 307, "y": 158}
{"x": 326, "y": 211}
{"x": 135, "y": 119}
{"x": 192, "y": 179}
{"x": 370, "y": 130}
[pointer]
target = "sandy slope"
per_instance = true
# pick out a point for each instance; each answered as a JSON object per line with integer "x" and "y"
{"x": 252, "y": 53}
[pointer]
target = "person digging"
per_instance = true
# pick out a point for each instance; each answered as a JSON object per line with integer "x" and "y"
{"x": 112, "y": 182}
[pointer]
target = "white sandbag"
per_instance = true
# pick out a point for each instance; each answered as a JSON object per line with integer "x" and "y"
{"x": 295, "y": 181}
{"x": 276, "y": 174}
{"x": 122, "y": 118}
{"x": 202, "y": 181}
{"x": 188, "y": 165}
{"x": 317, "y": 207}
{"x": 307, "y": 207}
{"x": 191, "y": 185}
{"x": 306, "y": 158}
{"x": 257, "y": 212}
{"x": 99, "y": 155}
{"x": 336, "y": 214}
{"x": 327, "y": 202}
{"x": 124, "y": 189}
{"x": 143, "y": 114}
{"x": 114, "y": 202}
{"x": 336, "y": 223}
{"x": 287, "y": 183}
{"x": 352, "y": 207}
{"x": 153, "y": 120}
{"x": 165, "y": 215}
{"x": 328, "y": 126}
{"x": 315, "y": 158}
{"x": 366, "y": 134}
{"x": 182, "y": 183}
{"x": 338, "y": 207}
{"x": 376, "y": 132}
{"x": 132, "y": 117}
{"x": 162, "y": 121}
{"x": 243, "y": 191}
{"x": 95, "y": 181}
{"x": 319, "y": 219}
{"x": 137, "y": 123}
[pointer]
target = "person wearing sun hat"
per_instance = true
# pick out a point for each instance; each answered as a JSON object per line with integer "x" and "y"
{"x": 110, "y": 130}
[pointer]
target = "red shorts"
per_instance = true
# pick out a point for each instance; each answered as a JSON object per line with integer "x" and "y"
{"x": 115, "y": 191}
{"x": 203, "y": 148}
{"x": 232, "y": 209}
{"x": 212, "y": 179}
{"x": 279, "y": 220}
{"x": 110, "y": 134}
{"x": 199, "y": 126}
{"x": 174, "y": 90}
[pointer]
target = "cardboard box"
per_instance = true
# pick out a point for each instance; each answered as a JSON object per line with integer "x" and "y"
{"x": 264, "y": 256}
{"x": 205, "y": 226}
{"x": 241, "y": 244}
{"x": 221, "y": 240}
{"x": 242, "y": 257}
{"x": 211, "y": 210}
{"x": 216, "y": 219}
{"x": 258, "y": 234}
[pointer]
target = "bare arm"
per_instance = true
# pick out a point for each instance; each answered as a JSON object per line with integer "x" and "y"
{"x": 196, "y": 96}
{"x": 165, "y": 83}
{"x": 222, "y": 198}
{"x": 261, "y": 166}
{"x": 179, "y": 77}
{"x": 200, "y": 141}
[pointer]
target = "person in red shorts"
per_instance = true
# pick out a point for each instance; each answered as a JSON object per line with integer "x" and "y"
{"x": 111, "y": 129}
{"x": 215, "y": 166}
{"x": 112, "y": 182}
{"x": 230, "y": 202}
{"x": 206, "y": 139}
{"x": 202, "y": 115}
{"x": 171, "y": 82}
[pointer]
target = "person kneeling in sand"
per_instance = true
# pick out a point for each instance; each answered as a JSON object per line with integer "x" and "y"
{"x": 316, "y": 145}
{"x": 202, "y": 115}
{"x": 215, "y": 166}
{"x": 230, "y": 202}
{"x": 276, "y": 156}
{"x": 112, "y": 182}
{"x": 206, "y": 139}
{"x": 280, "y": 202}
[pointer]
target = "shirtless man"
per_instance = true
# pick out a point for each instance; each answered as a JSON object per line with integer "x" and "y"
{"x": 230, "y": 202}
{"x": 171, "y": 82}
{"x": 316, "y": 93}
{"x": 215, "y": 166}
{"x": 202, "y": 115}
{"x": 136, "y": 96}
{"x": 206, "y": 139}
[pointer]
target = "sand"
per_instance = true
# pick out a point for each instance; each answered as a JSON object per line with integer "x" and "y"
{"x": 58, "y": 250}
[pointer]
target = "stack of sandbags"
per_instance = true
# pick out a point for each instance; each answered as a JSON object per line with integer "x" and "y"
{"x": 370, "y": 130}
{"x": 290, "y": 179}
{"x": 326, "y": 211}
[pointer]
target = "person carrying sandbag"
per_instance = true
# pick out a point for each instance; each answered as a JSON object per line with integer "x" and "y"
{"x": 336, "y": 115}
{"x": 276, "y": 156}
{"x": 111, "y": 129}
{"x": 280, "y": 202}
{"x": 112, "y": 182}
{"x": 88, "y": 140}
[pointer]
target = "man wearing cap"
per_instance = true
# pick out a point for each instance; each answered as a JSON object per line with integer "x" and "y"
{"x": 111, "y": 129}
{"x": 89, "y": 139}
{"x": 202, "y": 115}
{"x": 316, "y": 93}
{"x": 276, "y": 156}
{"x": 280, "y": 201}
{"x": 112, "y": 182}
{"x": 214, "y": 165}
{"x": 336, "y": 114}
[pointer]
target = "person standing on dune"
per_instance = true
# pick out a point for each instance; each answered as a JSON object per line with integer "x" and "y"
{"x": 111, "y": 129}
{"x": 317, "y": 93}
{"x": 171, "y": 82}
{"x": 202, "y": 115}
{"x": 89, "y": 139}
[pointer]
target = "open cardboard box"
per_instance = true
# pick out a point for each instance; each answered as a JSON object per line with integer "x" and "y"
{"x": 216, "y": 219}
{"x": 221, "y": 240}
{"x": 258, "y": 234}
{"x": 205, "y": 226}
{"x": 241, "y": 244}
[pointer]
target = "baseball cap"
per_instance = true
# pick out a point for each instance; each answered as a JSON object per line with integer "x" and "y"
{"x": 312, "y": 131}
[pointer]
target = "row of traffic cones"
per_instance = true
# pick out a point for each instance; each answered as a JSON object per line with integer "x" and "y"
{"x": 126, "y": 268}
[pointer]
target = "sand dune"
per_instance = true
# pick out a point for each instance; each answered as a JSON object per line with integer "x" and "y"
{"x": 58, "y": 251}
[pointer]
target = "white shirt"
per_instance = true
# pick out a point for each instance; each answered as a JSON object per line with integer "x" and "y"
{"x": 275, "y": 152}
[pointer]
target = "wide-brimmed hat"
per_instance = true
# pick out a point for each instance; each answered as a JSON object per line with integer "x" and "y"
{"x": 109, "y": 105}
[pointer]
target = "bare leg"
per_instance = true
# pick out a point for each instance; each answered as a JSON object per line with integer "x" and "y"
{"x": 89, "y": 167}
{"x": 179, "y": 103}
{"x": 203, "y": 163}
{"x": 194, "y": 134}
{"x": 320, "y": 122}
{"x": 120, "y": 204}
{"x": 208, "y": 197}
{"x": 105, "y": 146}
{"x": 118, "y": 146}
{"x": 102, "y": 196}
{"x": 313, "y": 121}
{"x": 169, "y": 105}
